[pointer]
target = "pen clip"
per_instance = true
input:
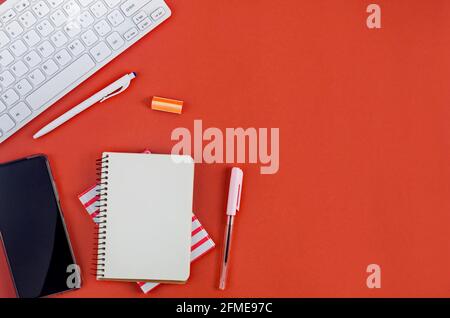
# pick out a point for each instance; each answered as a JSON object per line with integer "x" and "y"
{"x": 124, "y": 87}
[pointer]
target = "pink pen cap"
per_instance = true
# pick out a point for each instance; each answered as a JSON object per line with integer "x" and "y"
{"x": 234, "y": 192}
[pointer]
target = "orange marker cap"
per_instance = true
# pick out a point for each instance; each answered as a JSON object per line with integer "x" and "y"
{"x": 167, "y": 105}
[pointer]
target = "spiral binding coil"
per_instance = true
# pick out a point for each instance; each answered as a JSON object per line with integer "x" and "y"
{"x": 102, "y": 205}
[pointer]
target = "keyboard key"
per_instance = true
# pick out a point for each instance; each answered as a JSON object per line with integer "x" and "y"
{"x": 36, "y": 77}
{"x": 41, "y": 9}
{"x": 7, "y": 16}
{"x": 23, "y": 87}
{"x": 130, "y": 7}
{"x": 86, "y": 19}
{"x": 10, "y": 97}
{"x": 100, "y": 52}
{"x": 50, "y": 67}
{"x": 102, "y": 28}
{"x": 55, "y": 3}
{"x": 158, "y": 13}
{"x": 4, "y": 39}
{"x": 45, "y": 49}
{"x": 18, "y": 48}
{"x": 14, "y": 29}
{"x": 6, "y": 123}
{"x": 130, "y": 34}
{"x": 76, "y": 48}
{"x": 27, "y": 19}
{"x": 59, "y": 39}
{"x": 99, "y": 9}
{"x": 2, "y": 106}
{"x": 112, "y": 3}
{"x": 89, "y": 38}
{"x": 85, "y": 3}
{"x": 45, "y": 28}
{"x": 6, "y": 58}
{"x": 63, "y": 57}
{"x": 31, "y": 38}
{"x": 60, "y": 82}
{"x": 58, "y": 18}
{"x": 32, "y": 59}
{"x": 72, "y": 29}
{"x": 145, "y": 24}
{"x": 71, "y": 8}
{"x": 22, "y": 5}
{"x": 115, "y": 18}
{"x": 20, "y": 112}
{"x": 139, "y": 17}
{"x": 115, "y": 41}
{"x": 6, "y": 78}
{"x": 19, "y": 69}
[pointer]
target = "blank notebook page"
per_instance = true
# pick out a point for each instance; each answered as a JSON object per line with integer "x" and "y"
{"x": 148, "y": 217}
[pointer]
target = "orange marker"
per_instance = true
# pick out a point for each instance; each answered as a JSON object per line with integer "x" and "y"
{"x": 167, "y": 105}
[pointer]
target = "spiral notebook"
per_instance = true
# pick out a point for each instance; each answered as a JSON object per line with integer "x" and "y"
{"x": 145, "y": 217}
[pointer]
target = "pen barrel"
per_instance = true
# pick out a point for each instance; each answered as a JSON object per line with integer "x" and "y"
{"x": 226, "y": 252}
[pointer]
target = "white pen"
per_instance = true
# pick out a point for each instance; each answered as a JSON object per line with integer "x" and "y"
{"x": 111, "y": 90}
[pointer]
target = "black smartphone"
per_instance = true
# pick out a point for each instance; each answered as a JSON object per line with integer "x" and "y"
{"x": 35, "y": 238}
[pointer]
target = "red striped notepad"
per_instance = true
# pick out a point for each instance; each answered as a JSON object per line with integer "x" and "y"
{"x": 201, "y": 242}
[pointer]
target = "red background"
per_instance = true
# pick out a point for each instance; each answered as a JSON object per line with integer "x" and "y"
{"x": 364, "y": 133}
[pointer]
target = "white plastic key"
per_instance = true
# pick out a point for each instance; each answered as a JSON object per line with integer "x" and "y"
{"x": 45, "y": 49}
{"x": 18, "y": 48}
{"x": 10, "y": 97}
{"x": 102, "y": 28}
{"x": 45, "y": 28}
{"x": 50, "y": 67}
{"x": 20, "y": 112}
{"x": 4, "y": 39}
{"x": 6, "y": 58}
{"x": 86, "y": 19}
{"x": 100, "y": 52}
{"x": 6, "y": 78}
{"x": 31, "y": 38}
{"x": 19, "y": 69}
{"x": 115, "y": 41}
{"x": 32, "y": 59}
{"x": 130, "y": 7}
{"x": 6, "y": 123}
{"x": 115, "y": 18}
{"x": 27, "y": 19}
{"x": 14, "y": 29}
{"x": 36, "y": 77}
{"x": 59, "y": 83}
{"x": 23, "y": 87}
{"x": 22, "y": 5}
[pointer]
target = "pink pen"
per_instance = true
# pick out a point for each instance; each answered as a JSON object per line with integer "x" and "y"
{"x": 234, "y": 199}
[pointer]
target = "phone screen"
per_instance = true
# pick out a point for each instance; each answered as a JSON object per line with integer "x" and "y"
{"x": 34, "y": 235}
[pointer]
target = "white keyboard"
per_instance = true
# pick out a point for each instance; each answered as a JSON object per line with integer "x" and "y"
{"x": 48, "y": 47}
